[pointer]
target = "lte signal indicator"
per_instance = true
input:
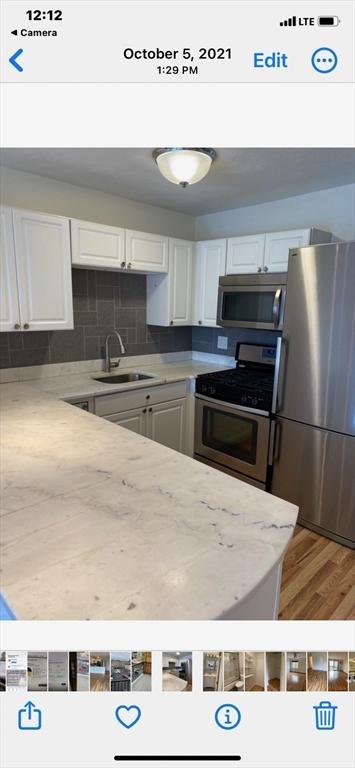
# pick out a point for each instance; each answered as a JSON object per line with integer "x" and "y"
{"x": 291, "y": 22}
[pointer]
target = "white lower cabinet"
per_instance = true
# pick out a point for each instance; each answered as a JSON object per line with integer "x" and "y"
{"x": 159, "y": 413}
{"x": 134, "y": 420}
{"x": 167, "y": 424}
{"x": 36, "y": 289}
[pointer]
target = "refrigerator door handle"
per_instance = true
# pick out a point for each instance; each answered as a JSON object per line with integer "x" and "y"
{"x": 274, "y": 444}
{"x": 276, "y": 374}
{"x": 276, "y": 308}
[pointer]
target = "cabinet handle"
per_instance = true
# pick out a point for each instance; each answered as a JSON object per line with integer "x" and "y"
{"x": 147, "y": 397}
{"x": 26, "y": 326}
{"x": 171, "y": 322}
{"x": 144, "y": 410}
{"x": 200, "y": 322}
{"x": 150, "y": 410}
{"x": 266, "y": 269}
{"x": 123, "y": 264}
{"x": 17, "y": 326}
{"x": 259, "y": 269}
{"x": 129, "y": 265}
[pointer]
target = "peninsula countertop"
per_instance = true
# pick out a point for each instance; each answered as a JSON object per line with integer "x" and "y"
{"x": 101, "y": 523}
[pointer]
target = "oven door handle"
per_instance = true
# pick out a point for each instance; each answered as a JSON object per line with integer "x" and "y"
{"x": 276, "y": 308}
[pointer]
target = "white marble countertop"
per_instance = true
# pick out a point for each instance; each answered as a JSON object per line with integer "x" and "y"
{"x": 101, "y": 523}
{"x": 84, "y": 384}
{"x": 173, "y": 683}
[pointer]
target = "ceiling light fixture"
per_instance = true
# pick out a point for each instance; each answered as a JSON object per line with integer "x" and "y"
{"x": 184, "y": 165}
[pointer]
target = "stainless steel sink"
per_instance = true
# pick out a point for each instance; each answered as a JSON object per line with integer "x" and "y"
{"x": 122, "y": 378}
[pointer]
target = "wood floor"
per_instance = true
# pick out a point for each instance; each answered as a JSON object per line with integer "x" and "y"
{"x": 337, "y": 681}
{"x": 318, "y": 579}
{"x": 273, "y": 684}
{"x": 316, "y": 680}
{"x": 296, "y": 681}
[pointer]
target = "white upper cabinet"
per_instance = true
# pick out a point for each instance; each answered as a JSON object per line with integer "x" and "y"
{"x": 210, "y": 263}
{"x": 97, "y": 245}
{"x": 245, "y": 254}
{"x": 277, "y": 245}
{"x": 102, "y": 247}
{"x": 146, "y": 252}
{"x": 9, "y": 305}
{"x": 180, "y": 269}
{"x": 43, "y": 265}
{"x": 169, "y": 296}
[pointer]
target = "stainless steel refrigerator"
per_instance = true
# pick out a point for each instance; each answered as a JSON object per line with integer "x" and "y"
{"x": 313, "y": 451}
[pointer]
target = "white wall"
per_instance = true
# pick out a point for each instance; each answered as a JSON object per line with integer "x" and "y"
{"x": 331, "y": 209}
{"x": 319, "y": 661}
{"x": 27, "y": 190}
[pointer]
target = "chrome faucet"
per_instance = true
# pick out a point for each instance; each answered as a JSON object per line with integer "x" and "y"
{"x": 108, "y": 364}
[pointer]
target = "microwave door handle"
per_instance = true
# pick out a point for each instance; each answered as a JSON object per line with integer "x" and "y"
{"x": 276, "y": 308}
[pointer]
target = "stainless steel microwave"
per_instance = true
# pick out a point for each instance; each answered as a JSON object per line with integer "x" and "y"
{"x": 252, "y": 301}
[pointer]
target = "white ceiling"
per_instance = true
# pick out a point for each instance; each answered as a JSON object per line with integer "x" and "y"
{"x": 238, "y": 177}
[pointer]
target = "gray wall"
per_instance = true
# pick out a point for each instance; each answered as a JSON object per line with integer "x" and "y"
{"x": 330, "y": 209}
{"x": 102, "y": 300}
{"x": 26, "y": 190}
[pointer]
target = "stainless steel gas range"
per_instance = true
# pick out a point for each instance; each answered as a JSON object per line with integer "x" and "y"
{"x": 233, "y": 414}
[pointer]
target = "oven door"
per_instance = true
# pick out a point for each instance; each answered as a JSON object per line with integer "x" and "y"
{"x": 251, "y": 306}
{"x": 232, "y": 437}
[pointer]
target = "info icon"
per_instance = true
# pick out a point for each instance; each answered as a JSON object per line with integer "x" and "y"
{"x": 227, "y": 717}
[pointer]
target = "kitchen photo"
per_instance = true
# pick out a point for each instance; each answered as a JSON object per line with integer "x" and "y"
{"x": 141, "y": 671}
{"x": 177, "y": 379}
{"x": 177, "y": 671}
{"x": 121, "y": 671}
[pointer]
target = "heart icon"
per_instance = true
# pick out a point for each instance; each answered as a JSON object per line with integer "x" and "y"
{"x": 128, "y": 716}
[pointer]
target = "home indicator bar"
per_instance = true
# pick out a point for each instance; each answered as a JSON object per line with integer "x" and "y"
{"x": 177, "y": 758}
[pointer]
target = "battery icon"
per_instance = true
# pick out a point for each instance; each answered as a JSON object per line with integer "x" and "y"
{"x": 328, "y": 21}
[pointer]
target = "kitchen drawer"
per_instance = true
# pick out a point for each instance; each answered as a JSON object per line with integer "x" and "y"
{"x": 138, "y": 398}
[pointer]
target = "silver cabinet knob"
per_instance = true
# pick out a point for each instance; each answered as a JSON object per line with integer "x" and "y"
{"x": 259, "y": 269}
{"x": 266, "y": 269}
{"x": 123, "y": 264}
{"x": 171, "y": 322}
{"x": 144, "y": 410}
{"x": 150, "y": 410}
{"x": 200, "y": 322}
{"x": 17, "y": 326}
{"x": 129, "y": 266}
{"x": 26, "y": 326}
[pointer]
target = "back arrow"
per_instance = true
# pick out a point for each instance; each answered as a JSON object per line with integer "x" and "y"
{"x": 12, "y": 60}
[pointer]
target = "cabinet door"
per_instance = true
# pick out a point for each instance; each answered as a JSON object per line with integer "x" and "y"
{"x": 245, "y": 254}
{"x": 134, "y": 420}
{"x": 277, "y": 245}
{"x": 146, "y": 252}
{"x": 210, "y": 264}
{"x": 42, "y": 247}
{"x": 167, "y": 424}
{"x": 97, "y": 245}
{"x": 9, "y": 306}
{"x": 180, "y": 278}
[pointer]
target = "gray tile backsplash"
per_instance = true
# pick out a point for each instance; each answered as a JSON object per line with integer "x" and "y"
{"x": 102, "y": 301}
{"x": 205, "y": 339}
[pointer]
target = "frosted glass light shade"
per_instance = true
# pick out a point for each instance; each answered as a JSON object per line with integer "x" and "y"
{"x": 184, "y": 166}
